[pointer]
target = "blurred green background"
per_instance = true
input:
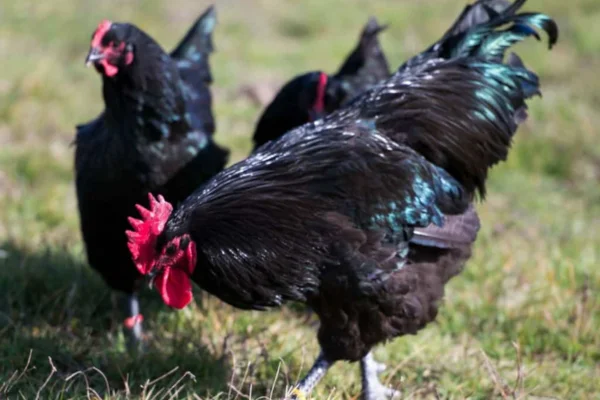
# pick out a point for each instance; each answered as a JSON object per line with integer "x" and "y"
{"x": 522, "y": 321}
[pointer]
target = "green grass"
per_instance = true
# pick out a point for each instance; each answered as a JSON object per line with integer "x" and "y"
{"x": 522, "y": 320}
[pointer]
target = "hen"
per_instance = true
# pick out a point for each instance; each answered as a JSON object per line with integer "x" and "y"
{"x": 315, "y": 94}
{"x": 310, "y": 96}
{"x": 155, "y": 135}
{"x": 364, "y": 215}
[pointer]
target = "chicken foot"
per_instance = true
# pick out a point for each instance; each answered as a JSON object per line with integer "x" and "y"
{"x": 372, "y": 387}
{"x": 303, "y": 389}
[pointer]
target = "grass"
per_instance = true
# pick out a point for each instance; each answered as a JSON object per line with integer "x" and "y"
{"x": 520, "y": 322}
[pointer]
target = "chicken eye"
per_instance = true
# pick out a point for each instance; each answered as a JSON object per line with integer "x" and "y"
{"x": 183, "y": 244}
{"x": 170, "y": 250}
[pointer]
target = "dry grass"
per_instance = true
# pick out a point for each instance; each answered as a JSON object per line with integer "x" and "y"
{"x": 520, "y": 322}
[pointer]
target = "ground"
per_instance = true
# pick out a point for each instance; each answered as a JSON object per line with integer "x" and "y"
{"x": 522, "y": 321}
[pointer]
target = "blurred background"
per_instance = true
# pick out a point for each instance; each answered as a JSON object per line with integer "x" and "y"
{"x": 521, "y": 321}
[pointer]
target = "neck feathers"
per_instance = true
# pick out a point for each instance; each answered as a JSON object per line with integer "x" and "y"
{"x": 147, "y": 97}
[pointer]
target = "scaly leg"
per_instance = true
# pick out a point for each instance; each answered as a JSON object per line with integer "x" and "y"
{"x": 316, "y": 373}
{"x": 373, "y": 389}
{"x": 133, "y": 322}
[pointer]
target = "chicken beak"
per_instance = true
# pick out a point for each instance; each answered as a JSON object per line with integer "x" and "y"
{"x": 151, "y": 282}
{"x": 152, "y": 277}
{"x": 94, "y": 55}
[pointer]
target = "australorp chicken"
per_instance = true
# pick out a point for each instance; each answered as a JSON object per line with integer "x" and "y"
{"x": 315, "y": 94}
{"x": 155, "y": 135}
{"x": 312, "y": 95}
{"x": 363, "y": 215}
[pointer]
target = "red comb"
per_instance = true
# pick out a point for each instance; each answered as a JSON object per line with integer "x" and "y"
{"x": 319, "y": 105}
{"x": 103, "y": 27}
{"x": 142, "y": 239}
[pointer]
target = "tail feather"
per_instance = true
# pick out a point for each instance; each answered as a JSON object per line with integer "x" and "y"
{"x": 193, "y": 50}
{"x": 367, "y": 53}
{"x": 192, "y": 58}
{"x": 476, "y": 32}
{"x": 490, "y": 43}
{"x": 365, "y": 67}
{"x": 529, "y": 89}
{"x": 461, "y": 113}
{"x": 472, "y": 15}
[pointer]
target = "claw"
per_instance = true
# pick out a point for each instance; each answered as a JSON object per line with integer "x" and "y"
{"x": 380, "y": 392}
{"x": 133, "y": 323}
{"x": 307, "y": 384}
{"x": 373, "y": 389}
{"x": 379, "y": 367}
{"x": 297, "y": 394}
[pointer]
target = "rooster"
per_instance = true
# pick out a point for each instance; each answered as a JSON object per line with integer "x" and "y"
{"x": 155, "y": 134}
{"x": 364, "y": 215}
{"x": 315, "y": 94}
{"x": 310, "y": 96}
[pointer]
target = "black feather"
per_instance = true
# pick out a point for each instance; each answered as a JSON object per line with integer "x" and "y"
{"x": 275, "y": 210}
{"x": 365, "y": 214}
{"x": 457, "y": 230}
{"x": 191, "y": 56}
{"x": 425, "y": 117}
{"x": 154, "y": 135}
{"x": 364, "y": 67}
{"x": 472, "y": 15}
{"x": 288, "y": 110}
{"x": 264, "y": 226}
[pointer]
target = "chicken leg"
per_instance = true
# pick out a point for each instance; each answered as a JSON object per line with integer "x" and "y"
{"x": 133, "y": 321}
{"x": 373, "y": 389}
{"x": 303, "y": 389}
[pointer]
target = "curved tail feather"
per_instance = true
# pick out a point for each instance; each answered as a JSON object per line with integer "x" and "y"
{"x": 461, "y": 113}
{"x": 472, "y": 15}
{"x": 476, "y": 32}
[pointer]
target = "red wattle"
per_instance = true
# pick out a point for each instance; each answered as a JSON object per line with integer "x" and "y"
{"x": 319, "y": 105}
{"x": 175, "y": 287}
{"x": 128, "y": 58}
{"x": 109, "y": 70}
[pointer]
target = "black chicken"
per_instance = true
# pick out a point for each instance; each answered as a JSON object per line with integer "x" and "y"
{"x": 312, "y": 95}
{"x": 363, "y": 215}
{"x": 154, "y": 135}
{"x": 315, "y": 94}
